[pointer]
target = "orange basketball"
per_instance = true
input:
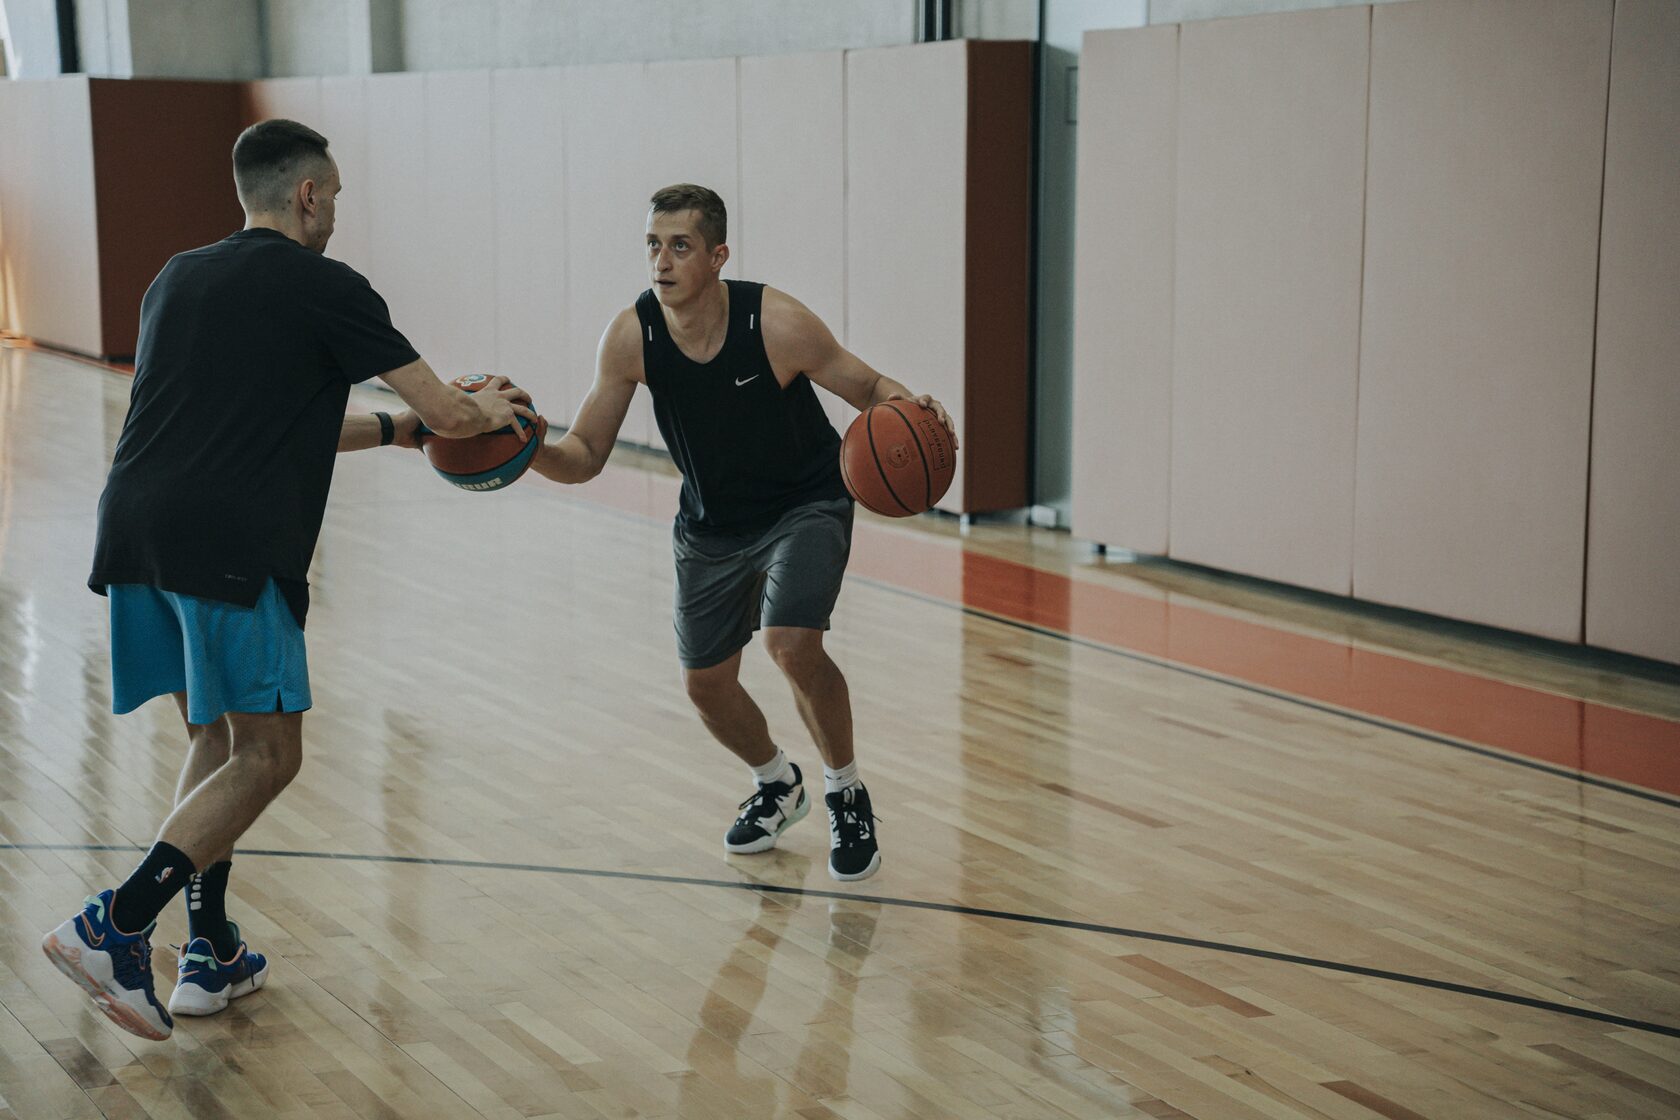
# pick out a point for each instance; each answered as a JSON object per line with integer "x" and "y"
{"x": 897, "y": 459}
{"x": 489, "y": 461}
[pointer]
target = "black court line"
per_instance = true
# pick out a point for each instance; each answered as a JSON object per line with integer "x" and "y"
{"x": 943, "y": 908}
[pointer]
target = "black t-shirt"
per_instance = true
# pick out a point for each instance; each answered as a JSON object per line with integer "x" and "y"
{"x": 247, "y": 352}
{"x": 749, "y": 450}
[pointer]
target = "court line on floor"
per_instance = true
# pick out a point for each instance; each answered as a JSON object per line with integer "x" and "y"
{"x": 1406, "y": 978}
{"x": 1318, "y": 706}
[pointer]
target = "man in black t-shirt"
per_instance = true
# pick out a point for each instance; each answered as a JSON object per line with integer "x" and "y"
{"x": 247, "y": 352}
{"x": 765, "y": 525}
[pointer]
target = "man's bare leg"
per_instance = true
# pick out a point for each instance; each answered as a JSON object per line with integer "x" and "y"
{"x": 825, "y": 704}
{"x": 208, "y": 749}
{"x": 819, "y": 690}
{"x": 729, "y": 713}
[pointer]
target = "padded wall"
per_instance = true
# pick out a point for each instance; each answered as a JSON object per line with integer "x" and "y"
{"x": 49, "y": 238}
{"x": 1123, "y": 281}
{"x": 1269, "y": 219}
{"x": 531, "y": 243}
{"x": 1633, "y": 538}
{"x": 631, "y": 129}
{"x": 937, "y": 162}
{"x": 792, "y": 210}
{"x": 906, "y": 196}
{"x": 1486, "y": 159}
{"x": 160, "y": 190}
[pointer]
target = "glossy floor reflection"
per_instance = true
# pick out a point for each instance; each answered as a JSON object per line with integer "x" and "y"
{"x": 499, "y": 720}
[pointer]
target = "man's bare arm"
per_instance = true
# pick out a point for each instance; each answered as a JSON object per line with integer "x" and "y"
{"x": 797, "y": 341}
{"x": 579, "y": 455}
{"x": 362, "y": 430}
{"x": 450, "y": 412}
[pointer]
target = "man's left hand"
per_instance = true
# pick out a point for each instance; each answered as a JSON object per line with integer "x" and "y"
{"x": 937, "y": 409}
{"x": 407, "y": 424}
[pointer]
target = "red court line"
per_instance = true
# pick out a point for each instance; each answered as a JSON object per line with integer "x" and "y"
{"x": 1579, "y": 735}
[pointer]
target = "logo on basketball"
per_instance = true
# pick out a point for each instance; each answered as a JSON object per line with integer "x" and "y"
{"x": 470, "y": 381}
{"x": 898, "y": 456}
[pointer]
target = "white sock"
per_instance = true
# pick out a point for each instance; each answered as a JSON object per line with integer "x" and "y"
{"x": 778, "y": 769}
{"x": 844, "y": 778}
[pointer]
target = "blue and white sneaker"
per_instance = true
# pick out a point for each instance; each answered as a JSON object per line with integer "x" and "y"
{"x": 206, "y": 983}
{"x": 768, "y": 813}
{"x": 113, "y": 967}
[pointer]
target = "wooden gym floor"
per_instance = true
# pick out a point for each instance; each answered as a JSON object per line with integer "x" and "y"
{"x": 1157, "y": 842}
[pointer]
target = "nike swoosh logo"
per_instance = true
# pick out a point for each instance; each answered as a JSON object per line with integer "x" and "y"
{"x": 739, "y": 382}
{"x": 94, "y": 940}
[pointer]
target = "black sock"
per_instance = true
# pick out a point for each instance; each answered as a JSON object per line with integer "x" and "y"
{"x": 159, "y": 877}
{"x": 207, "y": 909}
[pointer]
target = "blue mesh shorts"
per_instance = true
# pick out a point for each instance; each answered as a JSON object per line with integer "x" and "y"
{"x": 225, "y": 657}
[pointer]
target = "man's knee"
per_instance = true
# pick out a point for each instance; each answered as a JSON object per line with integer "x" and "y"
{"x": 797, "y": 652}
{"x": 272, "y": 746}
{"x": 707, "y": 688}
{"x": 212, "y": 741}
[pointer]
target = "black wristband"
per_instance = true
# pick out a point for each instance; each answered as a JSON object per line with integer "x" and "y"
{"x": 387, "y": 430}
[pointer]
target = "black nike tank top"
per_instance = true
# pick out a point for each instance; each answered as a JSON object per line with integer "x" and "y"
{"x": 748, "y": 449}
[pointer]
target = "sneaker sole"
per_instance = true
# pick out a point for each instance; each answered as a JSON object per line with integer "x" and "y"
{"x": 190, "y": 999}
{"x": 68, "y": 960}
{"x": 768, "y": 842}
{"x": 874, "y": 866}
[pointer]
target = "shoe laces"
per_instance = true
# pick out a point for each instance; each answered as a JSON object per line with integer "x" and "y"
{"x": 763, "y": 802}
{"x": 851, "y": 822}
{"x": 131, "y": 965}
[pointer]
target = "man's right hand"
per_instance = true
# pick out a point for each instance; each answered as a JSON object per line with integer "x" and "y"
{"x": 499, "y": 403}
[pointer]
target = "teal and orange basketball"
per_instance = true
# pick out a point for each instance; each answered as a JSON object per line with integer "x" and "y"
{"x": 489, "y": 461}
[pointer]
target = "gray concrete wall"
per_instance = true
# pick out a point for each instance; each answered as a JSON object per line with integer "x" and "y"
{"x": 219, "y": 39}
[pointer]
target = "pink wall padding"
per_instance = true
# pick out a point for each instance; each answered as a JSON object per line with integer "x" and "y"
{"x": 294, "y": 99}
{"x": 459, "y": 284}
{"x": 400, "y": 260}
{"x": 906, "y": 116}
{"x": 1486, "y": 153}
{"x": 528, "y": 176}
{"x": 605, "y": 208}
{"x": 344, "y": 122}
{"x": 1271, "y": 178}
{"x": 49, "y": 240}
{"x": 1123, "y": 281}
{"x": 631, "y": 129}
{"x": 1633, "y": 536}
{"x": 792, "y": 213}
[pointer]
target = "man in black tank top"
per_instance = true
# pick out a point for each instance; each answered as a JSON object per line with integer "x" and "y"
{"x": 764, "y": 529}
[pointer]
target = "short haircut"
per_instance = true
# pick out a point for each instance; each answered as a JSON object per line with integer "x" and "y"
{"x": 714, "y": 218}
{"x": 270, "y": 157}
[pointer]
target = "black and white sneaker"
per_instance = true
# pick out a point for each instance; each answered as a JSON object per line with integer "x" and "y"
{"x": 767, "y": 814}
{"x": 852, "y": 853}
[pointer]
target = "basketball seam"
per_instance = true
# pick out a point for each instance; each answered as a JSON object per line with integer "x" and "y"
{"x": 869, "y": 430}
{"x": 927, "y": 476}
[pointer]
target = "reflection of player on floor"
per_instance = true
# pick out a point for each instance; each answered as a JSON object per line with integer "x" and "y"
{"x": 765, "y": 526}
{"x": 247, "y": 352}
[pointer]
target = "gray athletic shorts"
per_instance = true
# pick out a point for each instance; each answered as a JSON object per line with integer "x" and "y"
{"x": 731, "y": 583}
